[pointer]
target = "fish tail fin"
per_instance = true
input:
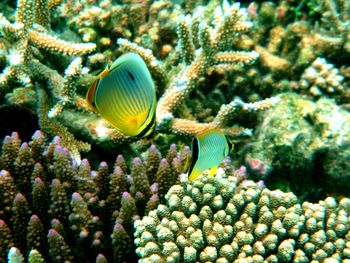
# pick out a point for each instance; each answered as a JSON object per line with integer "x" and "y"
{"x": 213, "y": 170}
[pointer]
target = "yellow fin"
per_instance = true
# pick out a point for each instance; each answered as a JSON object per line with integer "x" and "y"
{"x": 136, "y": 121}
{"x": 194, "y": 175}
{"x": 213, "y": 170}
{"x": 104, "y": 72}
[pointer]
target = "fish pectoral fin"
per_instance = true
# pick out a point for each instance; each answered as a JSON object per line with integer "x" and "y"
{"x": 213, "y": 170}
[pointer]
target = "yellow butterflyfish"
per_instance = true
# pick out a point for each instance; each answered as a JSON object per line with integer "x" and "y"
{"x": 125, "y": 96}
{"x": 208, "y": 151}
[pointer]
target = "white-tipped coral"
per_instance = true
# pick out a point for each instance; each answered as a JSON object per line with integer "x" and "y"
{"x": 213, "y": 220}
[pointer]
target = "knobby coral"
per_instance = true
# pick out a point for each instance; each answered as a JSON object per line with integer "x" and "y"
{"x": 321, "y": 30}
{"x": 214, "y": 219}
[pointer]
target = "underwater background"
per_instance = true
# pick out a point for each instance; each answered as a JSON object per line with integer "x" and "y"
{"x": 273, "y": 76}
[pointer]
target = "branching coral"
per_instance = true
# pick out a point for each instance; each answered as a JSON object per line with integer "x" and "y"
{"x": 214, "y": 219}
{"x": 205, "y": 41}
{"x": 30, "y": 34}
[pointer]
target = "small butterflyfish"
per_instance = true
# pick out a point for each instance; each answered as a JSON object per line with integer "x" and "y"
{"x": 124, "y": 95}
{"x": 208, "y": 150}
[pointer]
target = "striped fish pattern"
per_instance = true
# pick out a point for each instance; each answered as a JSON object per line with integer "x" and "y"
{"x": 208, "y": 151}
{"x": 125, "y": 96}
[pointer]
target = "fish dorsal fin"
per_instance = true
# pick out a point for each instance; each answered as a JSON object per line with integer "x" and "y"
{"x": 104, "y": 73}
{"x": 90, "y": 95}
{"x": 97, "y": 72}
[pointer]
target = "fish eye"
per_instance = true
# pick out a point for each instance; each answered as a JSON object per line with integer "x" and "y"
{"x": 131, "y": 75}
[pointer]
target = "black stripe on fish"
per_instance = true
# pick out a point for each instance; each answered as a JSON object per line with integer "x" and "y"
{"x": 131, "y": 75}
{"x": 229, "y": 144}
{"x": 194, "y": 155}
{"x": 148, "y": 127}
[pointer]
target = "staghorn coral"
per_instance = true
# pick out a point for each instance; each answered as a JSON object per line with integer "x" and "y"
{"x": 30, "y": 35}
{"x": 69, "y": 211}
{"x": 180, "y": 83}
{"x": 215, "y": 219}
{"x": 62, "y": 111}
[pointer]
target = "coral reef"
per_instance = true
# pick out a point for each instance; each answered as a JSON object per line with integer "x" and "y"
{"x": 53, "y": 209}
{"x": 320, "y": 30}
{"x": 301, "y": 147}
{"x": 272, "y": 75}
{"x": 30, "y": 34}
{"x": 289, "y": 36}
{"x": 214, "y": 219}
{"x": 205, "y": 40}
{"x": 151, "y": 24}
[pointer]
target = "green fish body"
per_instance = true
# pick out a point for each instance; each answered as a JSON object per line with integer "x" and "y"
{"x": 125, "y": 96}
{"x": 208, "y": 151}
